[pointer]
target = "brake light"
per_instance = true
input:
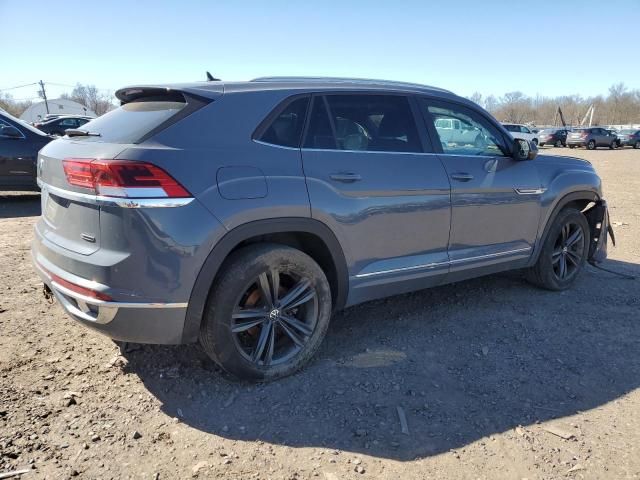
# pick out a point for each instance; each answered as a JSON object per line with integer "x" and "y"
{"x": 122, "y": 178}
{"x": 86, "y": 292}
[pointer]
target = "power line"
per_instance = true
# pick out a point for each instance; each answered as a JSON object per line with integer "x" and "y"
{"x": 19, "y": 86}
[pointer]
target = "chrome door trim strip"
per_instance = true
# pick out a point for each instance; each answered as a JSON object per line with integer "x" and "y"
{"x": 490, "y": 255}
{"x": 401, "y": 269}
{"x": 115, "y": 201}
{"x": 438, "y": 264}
{"x": 530, "y": 191}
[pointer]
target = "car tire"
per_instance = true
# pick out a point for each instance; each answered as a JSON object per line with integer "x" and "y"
{"x": 613, "y": 145}
{"x": 564, "y": 252}
{"x": 541, "y": 145}
{"x": 268, "y": 313}
{"x": 572, "y": 146}
{"x": 535, "y": 141}
{"x": 636, "y": 145}
{"x": 591, "y": 145}
{"x": 558, "y": 143}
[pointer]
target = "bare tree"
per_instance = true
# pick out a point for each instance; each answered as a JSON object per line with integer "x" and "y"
{"x": 90, "y": 97}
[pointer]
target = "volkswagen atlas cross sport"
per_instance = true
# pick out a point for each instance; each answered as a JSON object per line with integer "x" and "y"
{"x": 242, "y": 215}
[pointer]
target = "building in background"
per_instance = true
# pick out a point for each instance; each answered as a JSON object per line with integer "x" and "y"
{"x": 59, "y": 106}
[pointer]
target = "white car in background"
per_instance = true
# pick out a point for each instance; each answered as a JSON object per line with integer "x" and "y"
{"x": 521, "y": 131}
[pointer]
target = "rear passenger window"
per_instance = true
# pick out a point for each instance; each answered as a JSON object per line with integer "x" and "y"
{"x": 382, "y": 123}
{"x": 286, "y": 129}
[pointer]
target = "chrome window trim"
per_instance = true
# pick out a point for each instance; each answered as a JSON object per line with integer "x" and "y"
{"x": 274, "y": 145}
{"x": 114, "y": 201}
{"x": 438, "y": 264}
{"x": 364, "y": 151}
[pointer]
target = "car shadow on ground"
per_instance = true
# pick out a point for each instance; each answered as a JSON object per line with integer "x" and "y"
{"x": 19, "y": 205}
{"x": 461, "y": 362}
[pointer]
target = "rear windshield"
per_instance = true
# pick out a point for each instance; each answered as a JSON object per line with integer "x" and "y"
{"x": 132, "y": 121}
{"x": 582, "y": 130}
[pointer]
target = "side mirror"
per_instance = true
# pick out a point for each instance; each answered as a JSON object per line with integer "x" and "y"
{"x": 8, "y": 131}
{"x": 524, "y": 150}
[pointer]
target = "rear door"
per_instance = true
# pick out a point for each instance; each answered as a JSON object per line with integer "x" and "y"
{"x": 372, "y": 180}
{"x": 495, "y": 199}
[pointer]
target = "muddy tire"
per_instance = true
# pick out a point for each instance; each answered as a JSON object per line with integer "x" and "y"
{"x": 268, "y": 312}
{"x": 564, "y": 252}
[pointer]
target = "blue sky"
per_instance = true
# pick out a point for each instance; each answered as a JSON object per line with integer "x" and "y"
{"x": 465, "y": 46}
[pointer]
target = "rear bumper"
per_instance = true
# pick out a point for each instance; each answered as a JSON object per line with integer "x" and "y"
{"x": 577, "y": 143}
{"x": 139, "y": 322}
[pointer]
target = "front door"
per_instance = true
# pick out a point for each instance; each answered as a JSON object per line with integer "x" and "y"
{"x": 17, "y": 160}
{"x": 495, "y": 199}
{"x": 372, "y": 181}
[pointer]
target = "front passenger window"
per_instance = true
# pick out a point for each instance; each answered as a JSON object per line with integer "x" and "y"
{"x": 477, "y": 136}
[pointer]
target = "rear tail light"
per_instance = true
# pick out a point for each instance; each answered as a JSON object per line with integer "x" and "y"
{"x": 122, "y": 178}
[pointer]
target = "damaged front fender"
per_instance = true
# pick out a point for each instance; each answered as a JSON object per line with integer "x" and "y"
{"x": 600, "y": 225}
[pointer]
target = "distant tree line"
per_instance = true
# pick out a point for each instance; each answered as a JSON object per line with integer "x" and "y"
{"x": 88, "y": 95}
{"x": 620, "y": 106}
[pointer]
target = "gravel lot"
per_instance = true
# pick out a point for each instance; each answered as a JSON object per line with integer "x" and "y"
{"x": 496, "y": 379}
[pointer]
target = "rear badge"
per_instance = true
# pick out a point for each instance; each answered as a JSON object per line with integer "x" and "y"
{"x": 88, "y": 238}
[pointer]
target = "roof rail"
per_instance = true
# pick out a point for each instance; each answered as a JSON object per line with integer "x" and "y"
{"x": 347, "y": 80}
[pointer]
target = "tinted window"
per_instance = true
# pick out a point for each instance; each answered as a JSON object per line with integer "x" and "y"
{"x": 68, "y": 122}
{"x": 512, "y": 128}
{"x": 524, "y": 130}
{"x": 475, "y": 137}
{"x": 382, "y": 123}
{"x": 319, "y": 133}
{"x": 132, "y": 121}
{"x": 286, "y": 127}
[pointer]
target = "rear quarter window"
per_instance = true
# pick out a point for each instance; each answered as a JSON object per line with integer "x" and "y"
{"x": 132, "y": 121}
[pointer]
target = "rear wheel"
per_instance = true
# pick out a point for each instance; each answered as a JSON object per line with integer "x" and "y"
{"x": 572, "y": 146}
{"x": 564, "y": 252}
{"x": 591, "y": 145}
{"x": 268, "y": 313}
{"x": 559, "y": 143}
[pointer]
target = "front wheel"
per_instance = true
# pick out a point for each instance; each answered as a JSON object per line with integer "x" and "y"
{"x": 535, "y": 141}
{"x": 563, "y": 253}
{"x": 591, "y": 145}
{"x": 613, "y": 145}
{"x": 572, "y": 146}
{"x": 268, "y": 312}
{"x": 559, "y": 143}
{"x": 636, "y": 145}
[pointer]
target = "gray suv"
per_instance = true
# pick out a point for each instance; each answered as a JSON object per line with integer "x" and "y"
{"x": 592, "y": 138}
{"x": 242, "y": 215}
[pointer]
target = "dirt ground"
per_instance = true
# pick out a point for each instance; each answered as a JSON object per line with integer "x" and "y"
{"x": 496, "y": 379}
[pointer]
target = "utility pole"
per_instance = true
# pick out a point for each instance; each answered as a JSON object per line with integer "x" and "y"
{"x": 44, "y": 95}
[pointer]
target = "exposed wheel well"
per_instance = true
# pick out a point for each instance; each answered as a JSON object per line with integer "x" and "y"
{"x": 308, "y": 243}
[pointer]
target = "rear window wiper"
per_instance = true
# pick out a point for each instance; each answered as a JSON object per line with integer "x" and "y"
{"x": 75, "y": 132}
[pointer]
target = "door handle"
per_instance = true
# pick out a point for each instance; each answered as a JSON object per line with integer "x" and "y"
{"x": 462, "y": 177}
{"x": 345, "y": 177}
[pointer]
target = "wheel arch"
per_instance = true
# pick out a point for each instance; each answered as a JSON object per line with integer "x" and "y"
{"x": 579, "y": 200}
{"x": 308, "y": 235}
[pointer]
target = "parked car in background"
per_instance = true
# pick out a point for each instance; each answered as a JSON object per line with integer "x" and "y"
{"x": 521, "y": 131}
{"x": 615, "y": 134}
{"x": 19, "y": 146}
{"x": 592, "y": 138}
{"x": 458, "y": 132}
{"x": 57, "y": 126}
{"x": 629, "y": 138}
{"x": 553, "y": 136}
{"x": 306, "y": 195}
{"x": 52, "y": 116}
